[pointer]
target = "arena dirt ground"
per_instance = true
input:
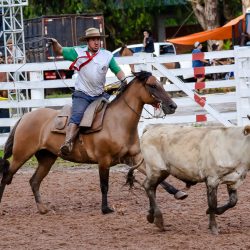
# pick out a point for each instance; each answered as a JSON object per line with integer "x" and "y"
{"x": 75, "y": 220}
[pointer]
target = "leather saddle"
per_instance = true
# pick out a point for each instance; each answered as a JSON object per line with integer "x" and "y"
{"x": 91, "y": 121}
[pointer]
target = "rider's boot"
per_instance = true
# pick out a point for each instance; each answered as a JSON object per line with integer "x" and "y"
{"x": 71, "y": 132}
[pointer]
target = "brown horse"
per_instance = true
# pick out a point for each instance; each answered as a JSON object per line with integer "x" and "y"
{"x": 117, "y": 140}
{"x": 125, "y": 51}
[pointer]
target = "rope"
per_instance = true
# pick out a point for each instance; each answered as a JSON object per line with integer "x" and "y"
{"x": 58, "y": 72}
{"x": 71, "y": 89}
{"x": 183, "y": 24}
{"x": 54, "y": 61}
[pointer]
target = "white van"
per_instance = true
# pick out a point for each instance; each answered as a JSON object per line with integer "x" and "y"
{"x": 161, "y": 49}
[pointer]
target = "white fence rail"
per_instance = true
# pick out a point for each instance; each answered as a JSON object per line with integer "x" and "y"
{"x": 229, "y": 108}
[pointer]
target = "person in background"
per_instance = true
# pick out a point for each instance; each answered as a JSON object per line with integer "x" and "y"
{"x": 244, "y": 39}
{"x": 4, "y": 113}
{"x": 14, "y": 55}
{"x": 92, "y": 63}
{"x": 148, "y": 42}
{"x": 198, "y": 63}
{"x": 214, "y": 62}
{"x": 1, "y": 58}
{"x": 215, "y": 46}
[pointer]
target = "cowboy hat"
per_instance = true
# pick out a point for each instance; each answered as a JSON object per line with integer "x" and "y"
{"x": 90, "y": 33}
{"x": 197, "y": 44}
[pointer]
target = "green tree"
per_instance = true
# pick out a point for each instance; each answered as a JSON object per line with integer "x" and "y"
{"x": 125, "y": 20}
{"x": 214, "y": 13}
{"x": 37, "y": 8}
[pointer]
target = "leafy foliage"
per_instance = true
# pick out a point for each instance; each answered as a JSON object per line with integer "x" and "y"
{"x": 38, "y": 8}
{"x": 126, "y": 20}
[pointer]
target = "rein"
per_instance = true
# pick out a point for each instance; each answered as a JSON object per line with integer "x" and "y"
{"x": 139, "y": 115}
{"x": 151, "y": 114}
{"x": 131, "y": 107}
{"x": 136, "y": 112}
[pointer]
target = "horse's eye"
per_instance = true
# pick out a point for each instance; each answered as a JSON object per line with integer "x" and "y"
{"x": 153, "y": 86}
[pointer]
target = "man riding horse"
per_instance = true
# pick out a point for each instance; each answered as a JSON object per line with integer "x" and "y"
{"x": 92, "y": 63}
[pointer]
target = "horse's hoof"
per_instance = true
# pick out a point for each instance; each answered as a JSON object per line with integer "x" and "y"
{"x": 42, "y": 209}
{"x": 107, "y": 210}
{"x": 180, "y": 195}
{"x": 150, "y": 218}
{"x": 208, "y": 211}
{"x": 159, "y": 223}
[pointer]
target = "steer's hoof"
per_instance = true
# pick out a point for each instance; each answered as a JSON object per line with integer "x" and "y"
{"x": 107, "y": 210}
{"x": 159, "y": 223}
{"x": 42, "y": 208}
{"x": 180, "y": 195}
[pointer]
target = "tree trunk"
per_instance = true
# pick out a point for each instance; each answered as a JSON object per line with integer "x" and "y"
{"x": 207, "y": 14}
{"x": 211, "y": 14}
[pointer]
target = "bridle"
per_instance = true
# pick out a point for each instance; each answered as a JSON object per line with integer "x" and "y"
{"x": 139, "y": 115}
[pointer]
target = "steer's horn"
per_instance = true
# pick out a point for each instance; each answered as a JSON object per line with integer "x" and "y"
{"x": 248, "y": 116}
{"x": 246, "y": 130}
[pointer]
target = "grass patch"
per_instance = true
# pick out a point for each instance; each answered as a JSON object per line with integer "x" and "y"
{"x": 58, "y": 96}
{"x": 32, "y": 163}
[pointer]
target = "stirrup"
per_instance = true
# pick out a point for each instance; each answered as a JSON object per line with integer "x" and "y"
{"x": 66, "y": 148}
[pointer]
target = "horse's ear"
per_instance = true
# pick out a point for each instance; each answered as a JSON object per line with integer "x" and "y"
{"x": 142, "y": 74}
{"x": 136, "y": 74}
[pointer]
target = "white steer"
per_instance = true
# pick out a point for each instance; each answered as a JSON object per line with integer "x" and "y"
{"x": 214, "y": 155}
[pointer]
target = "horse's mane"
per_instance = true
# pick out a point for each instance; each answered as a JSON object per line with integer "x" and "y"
{"x": 122, "y": 49}
{"x": 142, "y": 76}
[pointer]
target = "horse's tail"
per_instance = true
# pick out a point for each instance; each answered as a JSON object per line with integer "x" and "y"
{"x": 4, "y": 168}
{"x": 9, "y": 143}
{"x": 4, "y": 163}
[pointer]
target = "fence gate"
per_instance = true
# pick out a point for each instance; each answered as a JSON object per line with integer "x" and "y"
{"x": 193, "y": 95}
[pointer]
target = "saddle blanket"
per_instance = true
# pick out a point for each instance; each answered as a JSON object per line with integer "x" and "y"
{"x": 91, "y": 121}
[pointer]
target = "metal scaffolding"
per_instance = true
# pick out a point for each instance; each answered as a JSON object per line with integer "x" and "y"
{"x": 14, "y": 43}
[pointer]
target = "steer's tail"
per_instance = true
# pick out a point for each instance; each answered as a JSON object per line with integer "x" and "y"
{"x": 130, "y": 176}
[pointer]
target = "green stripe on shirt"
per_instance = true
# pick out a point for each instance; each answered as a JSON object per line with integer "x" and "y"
{"x": 114, "y": 67}
{"x": 70, "y": 54}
